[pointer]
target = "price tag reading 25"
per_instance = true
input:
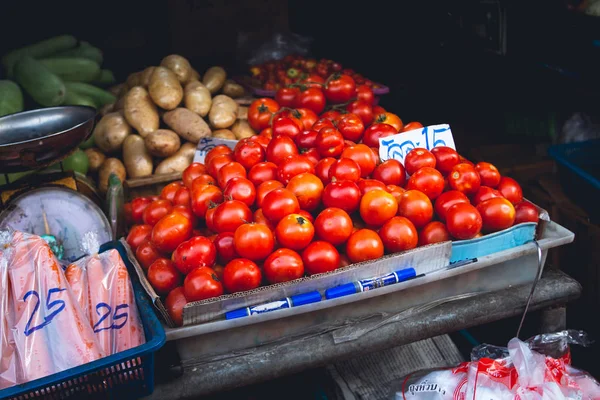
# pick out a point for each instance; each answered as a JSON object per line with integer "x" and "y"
{"x": 52, "y": 308}
{"x": 398, "y": 146}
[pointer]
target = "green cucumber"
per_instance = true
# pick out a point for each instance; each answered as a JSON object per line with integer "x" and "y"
{"x": 75, "y": 99}
{"x": 11, "y": 98}
{"x": 106, "y": 77}
{"x": 73, "y": 69}
{"x": 46, "y": 88}
{"x": 38, "y": 50}
{"x": 99, "y": 96}
{"x": 84, "y": 50}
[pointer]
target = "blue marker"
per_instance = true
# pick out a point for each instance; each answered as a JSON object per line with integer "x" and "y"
{"x": 288, "y": 302}
{"x": 370, "y": 283}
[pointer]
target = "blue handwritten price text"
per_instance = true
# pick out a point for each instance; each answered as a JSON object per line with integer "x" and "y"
{"x": 398, "y": 146}
{"x": 52, "y": 307}
{"x": 113, "y": 321}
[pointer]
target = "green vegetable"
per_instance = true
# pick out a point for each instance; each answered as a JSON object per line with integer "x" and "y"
{"x": 99, "y": 96}
{"x": 76, "y": 99}
{"x": 38, "y": 50}
{"x": 106, "y": 77}
{"x": 71, "y": 69}
{"x": 11, "y": 98}
{"x": 78, "y": 162}
{"x": 84, "y": 50}
{"x": 46, "y": 88}
{"x": 89, "y": 143}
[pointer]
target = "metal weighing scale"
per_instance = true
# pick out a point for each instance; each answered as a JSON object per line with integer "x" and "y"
{"x": 62, "y": 207}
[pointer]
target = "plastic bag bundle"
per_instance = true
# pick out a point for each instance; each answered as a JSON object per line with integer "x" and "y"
{"x": 43, "y": 330}
{"x": 103, "y": 289}
{"x": 537, "y": 369}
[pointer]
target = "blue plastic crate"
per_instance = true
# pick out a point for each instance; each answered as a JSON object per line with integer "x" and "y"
{"x": 128, "y": 374}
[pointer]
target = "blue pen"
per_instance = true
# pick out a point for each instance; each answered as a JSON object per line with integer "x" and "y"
{"x": 371, "y": 283}
{"x": 288, "y": 302}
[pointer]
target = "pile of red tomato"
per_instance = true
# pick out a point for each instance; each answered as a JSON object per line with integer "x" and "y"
{"x": 309, "y": 195}
{"x": 291, "y": 69}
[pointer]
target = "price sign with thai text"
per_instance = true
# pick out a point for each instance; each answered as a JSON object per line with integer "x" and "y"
{"x": 398, "y": 146}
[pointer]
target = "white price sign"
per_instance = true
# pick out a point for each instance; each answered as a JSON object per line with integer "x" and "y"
{"x": 207, "y": 144}
{"x": 398, "y": 146}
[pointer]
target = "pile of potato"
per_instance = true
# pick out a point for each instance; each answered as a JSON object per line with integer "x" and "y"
{"x": 160, "y": 115}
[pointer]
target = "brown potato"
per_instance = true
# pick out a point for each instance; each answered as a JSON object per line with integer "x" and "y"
{"x": 214, "y": 79}
{"x": 162, "y": 143}
{"x": 242, "y": 129}
{"x": 179, "y": 161}
{"x": 242, "y": 112}
{"x": 110, "y": 132}
{"x": 117, "y": 89}
{"x": 224, "y": 134}
{"x": 119, "y": 104}
{"x": 223, "y": 112}
{"x": 146, "y": 75}
{"x": 96, "y": 158}
{"x": 134, "y": 79}
{"x": 136, "y": 158}
{"x": 107, "y": 108}
{"x": 164, "y": 88}
{"x": 197, "y": 98}
{"x": 194, "y": 76}
{"x": 140, "y": 111}
{"x": 187, "y": 124}
{"x": 233, "y": 89}
{"x": 179, "y": 65}
{"x": 108, "y": 167}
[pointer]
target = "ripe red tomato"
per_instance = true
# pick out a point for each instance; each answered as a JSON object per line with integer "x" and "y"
{"x": 322, "y": 169}
{"x": 264, "y": 188}
{"x": 364, "y": 245}
{"x": 308, "y": 117}
{"x": 280, "y": 148}
{"x": 209, "y": 217}
{"x": 286, "y": 126}
{"x": 445, "y": 159}
{"x": 168, "y": 192}
{"x": 490, "y": 176}
{"x": 464, "y": 178}
{"x": 333, "y": 225}
{"x": 171, "y": 231}
{"x": 262, "y": 172}
{"x": 345, "y": 169}
{"x": 259, "y": 218}
{"x": 464, "y": 160}
{"x": 220, "y": 150}
{"x": 363, "y": 110}
{"x": 202, "y": 180}
{"x": 314, "y": 80}
{"x": 193, "y": 171}
{"x": 396, "y": 191}
{"x": 417, "y": 207}
{"x": 201, "y": 284}
{"x": 378, "y": 110}
{"x": 138, "y": 234}
{"x": 398, "y": 234}
{"x": 182, "y": 197}
{"x": 260, "y": 113}
{"x": 377, "y": 207}
{"x": 367, "y": 185}
{"x": 484, "y": 193}
{"x": 156, "y": 210}
{"x": 428, "y": 180}
{"x": 510, "y": 189}
{"x": 417, "y": 159}
{"x": 433, "y": 232}
{"x": 249, "y": 154}
{"x": 377, "y": 131}
{"x": 463, "y": 221}
{"x": 286, "y": 97}
{"x": 342, "y": 194}
{"x": 202, "y": 197}
{"x": 322, "y": 123}
{"x": 195, "y": 252}
{"x": 253, "y": 241}
{"x": 363, "y": 156}
{"x": 307, "y": 139}
{"x": 390, "y": 119}
{"x": 294, "y": 232}
{"x": 526, "y": 212}
{"x": 224, "y": 247}
{"x": 312, "y": 99}
{"x": 340, "y": 89}
{"x": 240, "y": 189}
{"x": 308, "y": 189}
{"x": 390, "y": 172}
{"x": 292, "y": 166}
{"x": 146, "y": 254}
{"x": 278, "y": 203}
{"x": 231, "y": 214}
{"x": 174, "y": 303}
{"x": 329, "y": 142}
{"x": 216, "y": 163}
{"x": 411, "y": 126}
{"x": 351, "y": 127}
{"x": 312, "y": 155}
{"x": 138, "y": 205}
{"x": 186, "y": 211}
{"x": 283, "y": 265}
{"x": 365, "y": 93}
{"x": 320, "y": 257}
{"x": 240, "y": 275}
{"x": 163, "y": 276}
{"x": 229, "y": 171}
{"x": 266, "y": 133}
{"x": 497, "y": 214}
{"x": 447, "y": 200}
